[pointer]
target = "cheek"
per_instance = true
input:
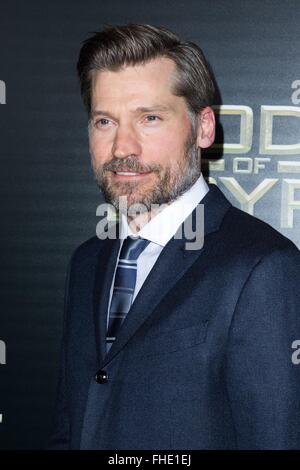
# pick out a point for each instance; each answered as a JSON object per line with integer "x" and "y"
{"x": 99, "y": 149}
{"x": 164, "y": 148}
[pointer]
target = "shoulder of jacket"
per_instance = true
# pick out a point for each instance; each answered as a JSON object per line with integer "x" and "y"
{"x": 245, "y": 230}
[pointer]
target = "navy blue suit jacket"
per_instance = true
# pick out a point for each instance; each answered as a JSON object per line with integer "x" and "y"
{"x": 204, "y": 357}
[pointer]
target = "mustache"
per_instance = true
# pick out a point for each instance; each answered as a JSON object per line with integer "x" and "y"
{"x": 129, "y": 163}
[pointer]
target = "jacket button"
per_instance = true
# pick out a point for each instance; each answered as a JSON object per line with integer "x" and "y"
{"x": 101, "y": 377}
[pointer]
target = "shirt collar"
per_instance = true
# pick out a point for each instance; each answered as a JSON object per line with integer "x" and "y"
{"x": 161, "y": 228}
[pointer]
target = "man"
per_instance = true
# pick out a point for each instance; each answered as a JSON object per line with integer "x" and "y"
{"x": 165, "y": 345}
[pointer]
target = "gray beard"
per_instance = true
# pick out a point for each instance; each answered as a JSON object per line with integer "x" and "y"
{"x": 169, "y": 186}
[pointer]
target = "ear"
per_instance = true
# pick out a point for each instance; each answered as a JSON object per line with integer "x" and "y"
{"x": 206, "y": 127}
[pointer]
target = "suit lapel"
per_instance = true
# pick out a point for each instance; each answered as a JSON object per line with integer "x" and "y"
{"x": 107, "y": 258}
{"x": 171, "y": 265}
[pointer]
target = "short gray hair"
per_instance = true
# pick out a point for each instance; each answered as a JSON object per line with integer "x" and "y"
{"x": 132, "y": 44}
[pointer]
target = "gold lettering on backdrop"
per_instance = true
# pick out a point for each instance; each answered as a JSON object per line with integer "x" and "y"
{"x": 266, "y": 130}
{"x": 212, "y": 180}
{"x": 288, "y": 202}
{"x": 247, "y": 165}
{"x": 259, "y": 163}
{"x": 214, "y": 165}
{"x": 246, "y": 128}
{"x": 247, "y": 201}
{"x": 288, "y": 167}
{"x": 240, "y": 167}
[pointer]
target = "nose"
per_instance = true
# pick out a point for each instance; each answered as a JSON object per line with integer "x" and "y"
{"x": 126, "y": 142}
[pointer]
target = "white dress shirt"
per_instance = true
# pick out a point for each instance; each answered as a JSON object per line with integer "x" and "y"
{"x": 160, "y": 229}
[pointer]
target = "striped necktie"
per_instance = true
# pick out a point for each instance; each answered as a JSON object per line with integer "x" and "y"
{"x": 124, "y": 285}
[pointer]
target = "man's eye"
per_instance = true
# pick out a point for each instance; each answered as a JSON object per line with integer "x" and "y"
{"x": 102, "y": 122}
{"x": 152, "y": 118}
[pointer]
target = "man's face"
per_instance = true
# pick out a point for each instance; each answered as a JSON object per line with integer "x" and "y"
{"x": 140, "y": 136}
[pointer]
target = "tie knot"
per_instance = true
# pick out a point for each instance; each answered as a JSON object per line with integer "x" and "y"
{"x": 132, "y": 248}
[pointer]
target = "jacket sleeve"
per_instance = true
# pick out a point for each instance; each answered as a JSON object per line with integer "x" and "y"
{"x": 263, "y": 381}
{"x": 60, "y": 436}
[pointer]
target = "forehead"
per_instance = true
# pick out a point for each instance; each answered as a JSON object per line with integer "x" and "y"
{"x": 152, "y": 80}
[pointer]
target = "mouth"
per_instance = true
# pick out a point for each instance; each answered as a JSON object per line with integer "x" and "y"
{"x": 126, "y": 175}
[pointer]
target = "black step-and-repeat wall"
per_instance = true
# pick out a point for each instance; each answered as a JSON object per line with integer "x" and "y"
{"x": 48, "y": 196}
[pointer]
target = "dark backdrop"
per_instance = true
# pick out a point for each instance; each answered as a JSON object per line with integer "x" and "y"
{"x": 48, "y": 197}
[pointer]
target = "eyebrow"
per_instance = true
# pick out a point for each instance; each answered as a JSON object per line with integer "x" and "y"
{"x": 140, "y": 109}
